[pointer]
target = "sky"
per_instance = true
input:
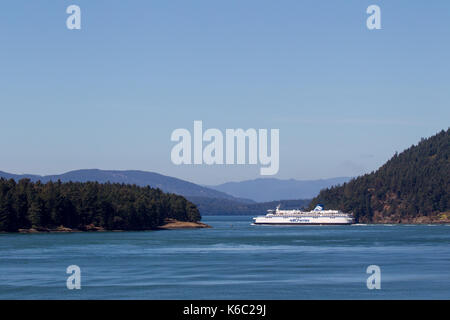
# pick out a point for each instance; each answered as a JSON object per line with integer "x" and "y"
{"x": 108, "y": 96}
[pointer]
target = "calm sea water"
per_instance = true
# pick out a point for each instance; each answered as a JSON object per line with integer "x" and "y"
{"x": 233, "y": 260}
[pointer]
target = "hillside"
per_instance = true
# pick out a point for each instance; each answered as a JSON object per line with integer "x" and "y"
{"x": 271, "y": 189}
{"x": 412, "y": 187}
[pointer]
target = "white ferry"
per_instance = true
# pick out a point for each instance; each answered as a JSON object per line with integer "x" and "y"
{"x": 318, "y": 216}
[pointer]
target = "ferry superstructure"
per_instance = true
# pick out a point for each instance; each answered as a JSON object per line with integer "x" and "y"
{"x": 318, "y": 216}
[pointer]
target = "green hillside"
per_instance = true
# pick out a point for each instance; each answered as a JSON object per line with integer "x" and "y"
{"x": 412, "y": 187}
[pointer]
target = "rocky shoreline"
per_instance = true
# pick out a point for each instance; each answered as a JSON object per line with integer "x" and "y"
{"x": 62, "y": 229}
{"x": 170, "y": 224}
{"x": 440, "y": 218}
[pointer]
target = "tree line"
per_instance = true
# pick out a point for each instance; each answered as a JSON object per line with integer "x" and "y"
{"x": 25, "y": 204}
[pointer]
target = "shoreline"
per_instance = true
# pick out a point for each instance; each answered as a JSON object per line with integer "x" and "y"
{"x": 170, "y": 224}
{"x": 440, "y": 218}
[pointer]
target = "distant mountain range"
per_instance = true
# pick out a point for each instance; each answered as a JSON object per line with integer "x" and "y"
{"x": 270, "y": 189}
{"x": 229, "y": 198}
{"x": 140, "y": 178}
{"x": 413, "y": 187}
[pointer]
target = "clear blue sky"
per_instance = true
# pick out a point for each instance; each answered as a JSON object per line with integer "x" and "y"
{"x": 108, "y": 96}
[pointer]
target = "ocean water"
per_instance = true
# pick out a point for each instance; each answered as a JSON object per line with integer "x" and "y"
{"x": 233, "y": 260}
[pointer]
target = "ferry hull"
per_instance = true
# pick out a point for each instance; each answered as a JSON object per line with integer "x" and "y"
{"x": 301, "y": 224}
{"x": 302, "y": 221}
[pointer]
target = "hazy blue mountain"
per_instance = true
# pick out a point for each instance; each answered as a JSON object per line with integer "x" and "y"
{"x": 140, "y": 178}
{"x": 7, "y": 175}
{"x": 271, "y": 189}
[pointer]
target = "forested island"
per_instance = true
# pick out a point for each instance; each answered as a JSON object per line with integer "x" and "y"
{"x": 412, "y": 187}
{"x": 27, "y": 206}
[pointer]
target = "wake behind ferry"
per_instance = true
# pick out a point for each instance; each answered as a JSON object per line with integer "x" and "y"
{"x": 318, "y": 216}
